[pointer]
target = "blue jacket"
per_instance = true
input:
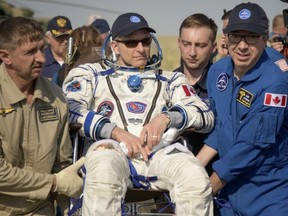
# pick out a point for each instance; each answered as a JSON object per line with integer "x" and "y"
{"x": 251, "y": 135}
{"x": 51, "y": 66}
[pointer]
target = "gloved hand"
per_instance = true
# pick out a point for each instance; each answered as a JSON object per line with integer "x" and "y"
{"x": 68, "y": 182}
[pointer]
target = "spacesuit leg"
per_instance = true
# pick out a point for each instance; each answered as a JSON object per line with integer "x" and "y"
{"x": 106, "y": 181}
{"x": 186, "y": 179}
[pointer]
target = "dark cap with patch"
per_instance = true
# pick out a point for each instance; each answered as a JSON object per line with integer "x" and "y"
{"x": 59, "y": 25}
{"x": 128, "y": 23}
{"x": 248, "y": 17}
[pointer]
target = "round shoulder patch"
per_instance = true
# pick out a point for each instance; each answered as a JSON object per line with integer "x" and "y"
{"x": 105, "y": 108}
{"x": 222, "y": 82}
{"x": 244, "y": 14}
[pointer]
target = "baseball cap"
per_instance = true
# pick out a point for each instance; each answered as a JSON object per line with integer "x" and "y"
{"x": 59, "y": 25}
{"x": 127, "y": 23}
{"x": 247, "y": 17}
{"x": 102, "y": 25}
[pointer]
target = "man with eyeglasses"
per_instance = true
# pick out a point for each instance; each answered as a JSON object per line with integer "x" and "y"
{"x": 249, "y": 93}
{"x": 135, "y": 111}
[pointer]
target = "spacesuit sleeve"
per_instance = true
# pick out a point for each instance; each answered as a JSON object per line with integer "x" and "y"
{"x": 259, "y": 140}
{"x": 196, "y": 113}
{"x": 79, "y": 87}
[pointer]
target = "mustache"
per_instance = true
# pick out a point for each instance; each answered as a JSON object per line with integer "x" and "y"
{"x": 37, "y": 65}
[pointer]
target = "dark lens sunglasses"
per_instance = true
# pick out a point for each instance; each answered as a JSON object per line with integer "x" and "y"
{"x": 134, "y": 43}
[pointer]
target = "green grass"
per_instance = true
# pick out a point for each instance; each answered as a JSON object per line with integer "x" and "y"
{"x": 171, "y": 54}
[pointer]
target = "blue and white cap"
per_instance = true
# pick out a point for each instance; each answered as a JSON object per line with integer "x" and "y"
{"x": 248, "y": 17}
{"x": 127, "y": 23}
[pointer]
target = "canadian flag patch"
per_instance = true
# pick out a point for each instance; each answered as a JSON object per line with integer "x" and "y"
{"x": 275, "y": 100}
{"x": 189, "y": 90}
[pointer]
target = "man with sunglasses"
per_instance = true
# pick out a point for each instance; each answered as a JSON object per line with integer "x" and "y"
{"x": 135, "y": 111}
{"x": 249, "y": 93}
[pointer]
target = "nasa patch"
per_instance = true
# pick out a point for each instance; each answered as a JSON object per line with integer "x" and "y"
{"x": 105, "y": 108}
{"x": 136, "y": 107}
{"x": 222, "y": 82}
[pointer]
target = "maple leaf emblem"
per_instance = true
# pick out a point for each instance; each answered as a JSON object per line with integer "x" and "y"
{"x": 276, "y": 100}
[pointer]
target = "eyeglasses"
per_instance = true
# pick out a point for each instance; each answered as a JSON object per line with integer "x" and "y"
{"x": 134, "y": 43}
{"x": 249, "y": 38}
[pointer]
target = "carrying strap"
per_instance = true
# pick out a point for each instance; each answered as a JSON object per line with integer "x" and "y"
{"x": 76, "y": 203}
{"x": 120, "y": 110}
{"x": 140, "y": 181}
{"x": 222, "y": 202}
{"x": 156, "y": 96}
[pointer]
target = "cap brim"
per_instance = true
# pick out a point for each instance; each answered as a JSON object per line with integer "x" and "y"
{"x": 56, "y": 33}
{"x": 245, "y": 27}
{"x": 137, "y": 27}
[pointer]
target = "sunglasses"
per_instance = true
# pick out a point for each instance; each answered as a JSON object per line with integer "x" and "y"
{"x": 249, "y": 39}
{"x": 134, "y": 43}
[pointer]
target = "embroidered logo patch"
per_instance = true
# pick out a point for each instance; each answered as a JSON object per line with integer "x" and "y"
{"x": 282, "y": 64}
{"x": 136, "y": 107}
{"x": 105, "y": 108}
{"x": 245, "y": 97}
{"x": 275, "y": 100}
{"x": 135, "y": 19}
{"x": 222, "y": 82}
{"x": 5, "y": 111}
{"x": 244, "y": 14}
{"x": 188, "y": 90}
{"x": 48, "y": 114}
{"x": 74, "y": 86}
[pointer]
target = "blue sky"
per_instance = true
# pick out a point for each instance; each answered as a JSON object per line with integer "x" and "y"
{"x": 165, "y": 16}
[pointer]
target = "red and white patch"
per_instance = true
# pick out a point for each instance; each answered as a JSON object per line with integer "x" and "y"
{"x": 189, "y": 90}
{"x": 275, "y": 100}
{"x": 282, "y": 64}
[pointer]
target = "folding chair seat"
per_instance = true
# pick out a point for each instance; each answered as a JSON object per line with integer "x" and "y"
{"x": 140, "y": 202}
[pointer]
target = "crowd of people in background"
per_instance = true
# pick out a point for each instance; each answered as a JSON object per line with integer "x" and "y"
{"x": 227, "y": 99}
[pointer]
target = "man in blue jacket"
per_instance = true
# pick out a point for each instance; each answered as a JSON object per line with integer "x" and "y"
{"x": 249, "y": 91}
{"x": 58, "y": 31}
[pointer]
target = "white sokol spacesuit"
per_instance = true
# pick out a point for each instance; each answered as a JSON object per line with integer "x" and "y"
{"x": 101, "y": 98}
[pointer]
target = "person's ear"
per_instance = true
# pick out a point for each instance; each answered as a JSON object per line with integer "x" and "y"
{"x": 115, "y": 47}
{"x": 48, "y": 39}
{"x": 4, "y": 56}
{"x": 265, "y": 37}
{"x": 214, "y": 47}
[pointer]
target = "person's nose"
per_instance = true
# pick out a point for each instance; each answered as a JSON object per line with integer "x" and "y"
{"x": 140, "y": 47}
{"x": 192, "y": 51}
{"x": 243, "y": 44}
{"x": 40, "y": 56}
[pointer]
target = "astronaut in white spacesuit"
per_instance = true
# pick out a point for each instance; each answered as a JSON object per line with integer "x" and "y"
{"x": 134, "y": 111}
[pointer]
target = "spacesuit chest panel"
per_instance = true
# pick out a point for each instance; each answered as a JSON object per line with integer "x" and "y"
{"x": 124, "y": 106}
